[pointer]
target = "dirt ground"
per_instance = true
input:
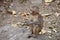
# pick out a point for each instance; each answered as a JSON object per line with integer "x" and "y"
{"x": 11, "y": 24}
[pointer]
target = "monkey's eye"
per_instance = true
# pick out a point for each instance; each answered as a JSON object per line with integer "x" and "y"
{"x": 27, "y": 14}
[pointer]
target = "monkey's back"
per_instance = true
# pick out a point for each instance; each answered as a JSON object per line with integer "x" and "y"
{"x": 38, "y": 21}
{"x": 37, "y": 25}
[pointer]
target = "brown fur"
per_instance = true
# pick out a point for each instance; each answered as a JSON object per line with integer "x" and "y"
{"x": 35, "y": 30}
{"x": 37, "y": 21}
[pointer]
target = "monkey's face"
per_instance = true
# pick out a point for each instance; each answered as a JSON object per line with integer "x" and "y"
{"x": 34, "y": 13}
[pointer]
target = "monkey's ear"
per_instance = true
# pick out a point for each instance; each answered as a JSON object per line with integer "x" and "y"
{"x": 31, "y": 10}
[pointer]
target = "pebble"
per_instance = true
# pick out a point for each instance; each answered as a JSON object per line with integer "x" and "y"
{"x": 48, "y": 0}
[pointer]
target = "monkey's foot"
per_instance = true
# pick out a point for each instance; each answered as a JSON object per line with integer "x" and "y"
{"x": 29, "y": 36}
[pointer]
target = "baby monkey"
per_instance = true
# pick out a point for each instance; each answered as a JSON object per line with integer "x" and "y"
{"x": 35, "y": 22}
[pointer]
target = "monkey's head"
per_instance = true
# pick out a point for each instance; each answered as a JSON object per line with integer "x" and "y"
{"x": 34, "y": 10}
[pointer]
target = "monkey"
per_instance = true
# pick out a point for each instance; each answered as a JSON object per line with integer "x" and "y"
{"x": 36, "y": 21}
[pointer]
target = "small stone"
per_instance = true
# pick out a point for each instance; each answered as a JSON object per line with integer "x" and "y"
{"x": 48, "y": 0}
{"x": 49, "y": 36}
{"x": 15, "y": 15}
{"x": 46, "y": 14}
{"x": 19, "y": 23}
{"x": 57, "y": 14}
{"x": 19, "y": 13}
{"x": 14, "y": 25}
{"x": 43, "y": 31}
{"x": 55, "y": 30}
{"x": 49, "y": 31}
{"x": 27, "y": 27}
{"x": 47, "y": 3}
{"x": 13, "y": 12}
{"x": 11, "y": 5}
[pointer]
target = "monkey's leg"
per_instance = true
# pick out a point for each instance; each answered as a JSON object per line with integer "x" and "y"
{"x": 36, "y": 31}
{"x": 31, "y": 29}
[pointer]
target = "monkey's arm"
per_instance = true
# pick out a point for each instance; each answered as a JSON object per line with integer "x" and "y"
{"x": 40, "y": 18}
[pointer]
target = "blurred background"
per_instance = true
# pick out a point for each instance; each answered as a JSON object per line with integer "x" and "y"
{"x": 11, "y": 21}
